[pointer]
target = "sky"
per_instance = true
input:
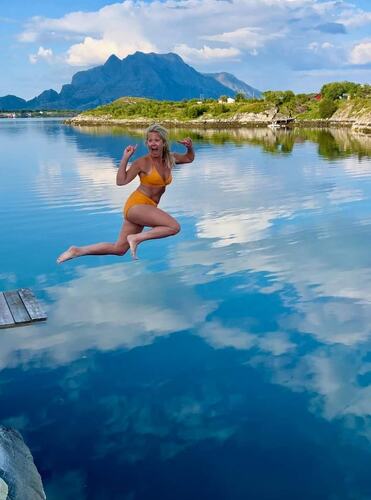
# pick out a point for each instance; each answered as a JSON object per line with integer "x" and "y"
{"x": 269, "y": 44}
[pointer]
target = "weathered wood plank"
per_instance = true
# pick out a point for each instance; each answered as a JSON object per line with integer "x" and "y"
{"x": 32, "y": 305}
{"x": 6, "y": 318}
{"x": 17, "y": 307}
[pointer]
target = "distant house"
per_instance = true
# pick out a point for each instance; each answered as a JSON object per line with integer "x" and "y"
{"x": 318, "y": 97}
{"x": 229, "y": 100}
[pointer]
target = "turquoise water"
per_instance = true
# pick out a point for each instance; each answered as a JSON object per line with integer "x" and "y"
{"x": 232, "y": 361}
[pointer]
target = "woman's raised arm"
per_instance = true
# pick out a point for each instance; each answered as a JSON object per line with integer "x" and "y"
{"x": 189, "y": 155}
{"x": 125, "y": 176}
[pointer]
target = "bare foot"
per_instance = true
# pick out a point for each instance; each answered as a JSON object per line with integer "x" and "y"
{"x": 133, "y": 243}
{"x": 71, "y": 253}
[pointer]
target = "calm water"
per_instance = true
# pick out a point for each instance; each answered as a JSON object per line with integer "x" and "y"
{"x": 232, "y": 361}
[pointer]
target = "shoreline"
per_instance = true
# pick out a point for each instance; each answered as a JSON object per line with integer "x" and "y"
{"x": 217, "y": 124}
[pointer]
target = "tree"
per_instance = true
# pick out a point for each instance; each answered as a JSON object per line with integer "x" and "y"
{"x": 240, "y": 97}
{"x": 278, "y": 97}
{"x": 336, "y": 89}
{"x": 327, "y": 108}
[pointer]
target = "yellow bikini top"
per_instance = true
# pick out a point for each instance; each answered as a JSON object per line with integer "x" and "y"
{"x": 154, "y": 178}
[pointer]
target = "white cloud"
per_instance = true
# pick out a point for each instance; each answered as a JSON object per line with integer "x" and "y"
{"x": 355, "y": 20}
{"x": 327, "y": 45}
{"x": 334, "y": 321}
{"x": 220, "y": 336}
{"x": 237, "y": 228}
{"x": 28, "y": 36}
{"x": 205, "y": 52}
{"x": 183, "y": 26}
{"x": 92, "y": 51}
{"x": 116, "y": 28}
{"x": 276, "y": 343}
{"x": 42, "y": 54}
{"x": 319, "y": 47}
{"x": 246, "y": 38}
{"x": 315, "y": 46}
{"x": 361, "y": 53}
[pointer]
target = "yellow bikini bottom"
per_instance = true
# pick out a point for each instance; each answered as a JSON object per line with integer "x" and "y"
{"x": 137, "y": 198}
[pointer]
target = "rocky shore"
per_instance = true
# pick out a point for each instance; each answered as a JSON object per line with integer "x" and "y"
{"x": 238, "y": 120}
{"x": 19, "y": 478}
{"x": 360, "y": 121}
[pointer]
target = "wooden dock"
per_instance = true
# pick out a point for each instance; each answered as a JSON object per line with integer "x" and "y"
{"x": 19, "y": 307}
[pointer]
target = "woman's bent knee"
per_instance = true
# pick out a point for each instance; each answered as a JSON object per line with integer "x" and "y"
{"x": 175, "y": 228}
{"x": 121, "y": 249}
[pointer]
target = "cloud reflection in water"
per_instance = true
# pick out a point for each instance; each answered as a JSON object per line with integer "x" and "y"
{"x": 219, "y": 345}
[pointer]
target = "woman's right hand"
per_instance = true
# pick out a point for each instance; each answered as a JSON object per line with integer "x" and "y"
{"x": 129, "y": 151}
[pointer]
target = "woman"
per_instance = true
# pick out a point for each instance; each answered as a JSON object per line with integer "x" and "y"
{"x": 155, "y": 173}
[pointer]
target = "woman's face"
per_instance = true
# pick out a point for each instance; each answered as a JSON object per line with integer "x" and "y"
{"x": 155, "y": 144}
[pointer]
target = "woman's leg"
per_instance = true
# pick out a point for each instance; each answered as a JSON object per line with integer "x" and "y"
{"x": 162, "y": 224}
{"x": 119, "y": 248}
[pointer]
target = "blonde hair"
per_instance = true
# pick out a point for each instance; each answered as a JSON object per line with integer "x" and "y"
{"x": 163, "y": 133}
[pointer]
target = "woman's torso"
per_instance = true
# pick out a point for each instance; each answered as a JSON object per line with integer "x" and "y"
{"x": 154, "y": 177}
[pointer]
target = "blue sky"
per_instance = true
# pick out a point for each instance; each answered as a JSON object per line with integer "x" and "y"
{"x": 270, "y": 44}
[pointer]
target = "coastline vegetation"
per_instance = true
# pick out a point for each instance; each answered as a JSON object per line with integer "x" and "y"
{"x": 332, "y": 97}
{"x": 138, "y": 107}
{"x": 335, "y": 96}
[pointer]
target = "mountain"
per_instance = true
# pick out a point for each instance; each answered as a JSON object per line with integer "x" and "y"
{"x": 46, "y": 100}
{"x": 235, "y": 84}
{"x": 12, "y": 103}
{"x": 156, "y": 76}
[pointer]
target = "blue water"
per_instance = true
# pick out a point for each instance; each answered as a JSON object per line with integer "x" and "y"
{"x": 232, "y": 361}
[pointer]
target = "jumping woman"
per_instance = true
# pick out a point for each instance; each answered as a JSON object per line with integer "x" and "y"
{"x": 140, "y": 210}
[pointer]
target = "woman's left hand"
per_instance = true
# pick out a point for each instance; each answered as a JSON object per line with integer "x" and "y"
{"x": 187, "y": 142}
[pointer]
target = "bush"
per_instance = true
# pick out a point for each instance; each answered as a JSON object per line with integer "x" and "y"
{"x": 253, "y": 107}
{"x": 327, "y": 108}
{"x": 219, "y": 109}
{"x": 195, "y": 111}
